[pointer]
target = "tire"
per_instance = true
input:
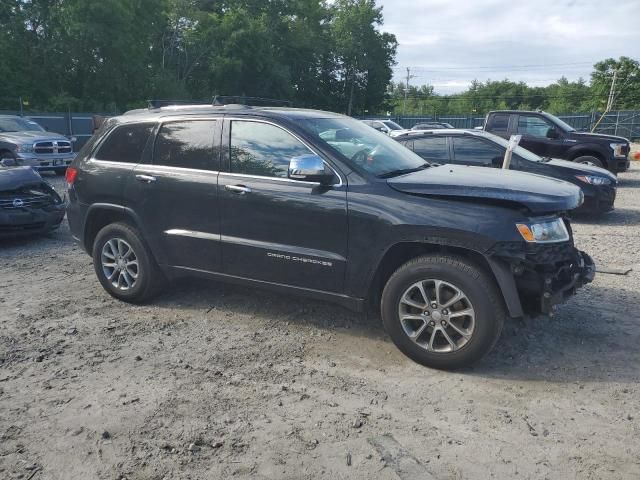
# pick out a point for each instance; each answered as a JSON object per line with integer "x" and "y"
{"x": 480, "y": 293}
{"x": 589, "y": 160}
{"x": 148, "y": 279}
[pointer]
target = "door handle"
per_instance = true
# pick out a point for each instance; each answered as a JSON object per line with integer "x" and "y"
{"x": 146, "y": 178}
{"x": 238, "y": 189}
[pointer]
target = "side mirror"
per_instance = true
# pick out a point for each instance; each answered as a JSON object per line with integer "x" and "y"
{"x": 309, "y": 168}
{"x": 552, "y": 133}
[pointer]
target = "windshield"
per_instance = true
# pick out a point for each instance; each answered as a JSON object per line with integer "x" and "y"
{"x": 392, "y": 125}
{"x": 18, "y": 124}
{"x": 564, "y": 126}
{"x": 519, "y": 151}
{"x": 362, "y": 146}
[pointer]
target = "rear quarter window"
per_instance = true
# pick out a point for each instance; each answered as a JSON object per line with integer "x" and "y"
{"x": 125, "y": 143}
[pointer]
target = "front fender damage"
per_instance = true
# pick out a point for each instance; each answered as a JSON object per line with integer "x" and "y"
{"x": 535, "y": 278}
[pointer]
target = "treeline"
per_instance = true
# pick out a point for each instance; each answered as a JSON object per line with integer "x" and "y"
{"x": 111, "y": 55}
{"x": 562, "y": 96}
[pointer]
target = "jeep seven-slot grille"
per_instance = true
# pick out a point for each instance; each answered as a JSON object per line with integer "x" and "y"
{"x": 52, "y": 147}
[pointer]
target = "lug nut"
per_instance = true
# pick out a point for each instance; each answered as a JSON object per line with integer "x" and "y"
{"x": 445, "y": 312}
{"x": 434, "y": 305}
{"x": 444, "y": 324}
{"x": 426, "y": 313}
{"x": 432, "y": 323}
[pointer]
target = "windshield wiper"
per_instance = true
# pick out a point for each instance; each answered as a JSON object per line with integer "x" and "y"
{"x": 403, "y": 171}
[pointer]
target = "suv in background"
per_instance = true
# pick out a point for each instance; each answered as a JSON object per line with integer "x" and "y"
{"x": 28, "y": 144}
{"x": 389, "y": 127}
{"x": 319, "y": 204}
{"x": 548, "y": 136}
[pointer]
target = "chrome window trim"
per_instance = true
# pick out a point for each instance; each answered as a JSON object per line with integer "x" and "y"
{"x": 169, "y": 169}
{"x": 309, "y": 147}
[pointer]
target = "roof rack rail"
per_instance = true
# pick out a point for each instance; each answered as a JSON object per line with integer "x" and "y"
{"x": 152, "y": 104}
{"x": 250, "y": 101}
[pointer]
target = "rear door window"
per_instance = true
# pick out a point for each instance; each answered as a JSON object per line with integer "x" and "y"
{"x": 473, "y": 151}
{"x": 125, "y": 143}
{"x": 186, "y": 144}
{"x": 499, "y": 123}
{"x": 433, "y": 149}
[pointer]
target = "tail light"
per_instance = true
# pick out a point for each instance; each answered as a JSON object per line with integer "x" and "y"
{"x": 70, "y": 175}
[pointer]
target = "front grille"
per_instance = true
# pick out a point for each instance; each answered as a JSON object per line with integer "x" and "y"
{"x": 31, "y": 197}
{"x": 52, "y": 147}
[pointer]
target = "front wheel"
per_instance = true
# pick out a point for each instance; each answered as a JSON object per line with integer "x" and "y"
{"x": 124, "y": 264}
{"x": 589, "y": 160}
{"x": 442, "y": 311}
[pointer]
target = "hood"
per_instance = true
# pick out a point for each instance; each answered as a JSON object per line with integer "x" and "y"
{"x": 12, "y": 178}
{"x": 598, "y": 136}
{"x": 580, "y": 168}
{"x": 537, "y": 193}
{"x": 31, "y": 136}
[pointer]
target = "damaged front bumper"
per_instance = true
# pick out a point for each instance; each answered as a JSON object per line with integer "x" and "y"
{"x": 544, "y": 275}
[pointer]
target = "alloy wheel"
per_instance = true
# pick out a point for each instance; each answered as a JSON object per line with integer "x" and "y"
{"x": 436, "y": 315}
{"x": 120, "y": 264}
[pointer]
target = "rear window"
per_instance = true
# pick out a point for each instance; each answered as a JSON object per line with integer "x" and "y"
{"x": 125, "y": 144}
{"x": 499, "y": 121}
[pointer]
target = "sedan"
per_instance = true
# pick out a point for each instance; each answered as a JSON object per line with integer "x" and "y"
{"x": 28, "y": 204}
{"x": 479, "y": 148}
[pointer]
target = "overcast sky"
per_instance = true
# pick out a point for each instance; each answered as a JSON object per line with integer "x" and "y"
{"x": 448, "y": 43}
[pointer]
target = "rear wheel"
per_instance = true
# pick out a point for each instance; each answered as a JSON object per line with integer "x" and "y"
{"x": 124, "y": 264}
{"x": 442, "y": 311}
{"x": 589, "y": 160}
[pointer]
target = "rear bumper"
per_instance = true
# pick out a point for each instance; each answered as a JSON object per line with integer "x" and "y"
{"x": 30, "y": 221}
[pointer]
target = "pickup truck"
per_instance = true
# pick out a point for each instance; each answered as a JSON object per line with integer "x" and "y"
{"x": 548, "y": 136}
{"x": 315, "y": 203}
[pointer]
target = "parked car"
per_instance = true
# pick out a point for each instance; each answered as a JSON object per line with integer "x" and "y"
{"x": 482, "y": 149}
{"x": 28, "y": 204}
{"x": 389, "y": 127}
{"x": 277, "y": 198}
{"x": 548, "y": 136}
{"x": 29, "y": 144}
{"x": 431, "y": 126}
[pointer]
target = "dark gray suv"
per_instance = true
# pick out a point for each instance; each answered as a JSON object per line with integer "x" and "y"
{"x": 319, "y": 204}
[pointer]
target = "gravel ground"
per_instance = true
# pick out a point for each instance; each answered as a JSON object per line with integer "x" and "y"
{"x": 213, "y": 381}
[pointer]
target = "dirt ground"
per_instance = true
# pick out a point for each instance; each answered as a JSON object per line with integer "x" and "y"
{"x": 213, "y": 381}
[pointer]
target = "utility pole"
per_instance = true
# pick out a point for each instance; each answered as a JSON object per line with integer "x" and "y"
{"x": 612, "y": 91}
{"x": 610, "y": 100}
{"x": 406, "y": 91}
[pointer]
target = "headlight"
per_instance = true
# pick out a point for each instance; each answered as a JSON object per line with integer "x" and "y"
{"x": 28, "y": 148}
{"x": 544, "y": 231}
{"x": 594, "y": 179}
{"x": 618, "y": 149}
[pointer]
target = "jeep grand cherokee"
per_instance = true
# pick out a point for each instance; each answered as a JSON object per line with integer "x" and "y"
{"x": 319, "y": 204}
